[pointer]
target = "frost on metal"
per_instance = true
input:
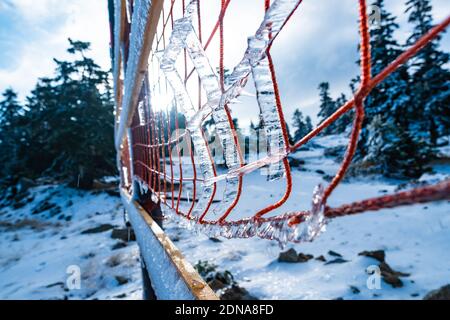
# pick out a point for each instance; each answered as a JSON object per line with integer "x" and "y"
{"x": 141, "y": 11}
{"x": 117, "y": 44}
{"x": 166, "y": 281}
{"x": 117, "y": 48}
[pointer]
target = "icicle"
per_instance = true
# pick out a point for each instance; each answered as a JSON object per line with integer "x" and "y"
{"x": 184, "y": 36}
{"x": 125, "y": 176}
{"x": 254, "y": 61}
{"x": 274, "y": 19}
{"x": 312, "y": 224}
{"x": 315, "y": 222}
{"x": 182, "y": 28}
{"x": 211, "y": 85}
{"x": 269, "y": 114}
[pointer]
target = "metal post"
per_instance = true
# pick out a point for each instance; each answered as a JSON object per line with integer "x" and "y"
{"x": 154, "y": 211}
{"x": 147, "y": 290}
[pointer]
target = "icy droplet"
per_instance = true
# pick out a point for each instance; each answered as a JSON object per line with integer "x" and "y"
{"x": 315, "y": 221}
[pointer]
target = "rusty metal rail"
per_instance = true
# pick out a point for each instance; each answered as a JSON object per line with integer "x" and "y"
{"x": 171, "y": 276}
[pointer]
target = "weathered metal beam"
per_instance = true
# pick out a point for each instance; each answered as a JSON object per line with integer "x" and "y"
{"x": 145, "y": 20}
{"x": 118, "y": 39}
{"x": 172, "y": 277}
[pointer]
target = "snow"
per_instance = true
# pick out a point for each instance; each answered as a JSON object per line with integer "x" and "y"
{"x": 165, "y": 278}
{"x": 416, "y": 240}
{"x": 33, "y": 262}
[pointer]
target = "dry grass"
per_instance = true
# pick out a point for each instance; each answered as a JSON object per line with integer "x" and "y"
{"x": 26, "y": 223}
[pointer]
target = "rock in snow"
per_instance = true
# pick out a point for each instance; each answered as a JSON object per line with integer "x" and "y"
{"x": 439, "y": 294}
{"x": 291, "y": 256}
{"x": 379, "y": 255}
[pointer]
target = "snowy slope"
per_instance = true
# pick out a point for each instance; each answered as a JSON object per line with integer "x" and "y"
{"x": 35, "y": 254}
{"x": 416, "y": 240}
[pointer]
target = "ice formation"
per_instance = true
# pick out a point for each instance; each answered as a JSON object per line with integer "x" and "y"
{"x": 181, "y": 30}
{"x": 311, "y": 224}
{"x": 256, "y": 63}
{"x": 117, "y": 44}
{"x": 211, "y": 85}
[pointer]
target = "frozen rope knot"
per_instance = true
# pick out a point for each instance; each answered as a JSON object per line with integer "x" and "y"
{"x": 316, "y": 221}
{"x": 313, "y": 223}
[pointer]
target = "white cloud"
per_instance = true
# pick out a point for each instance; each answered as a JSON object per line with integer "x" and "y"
{"x": 49, "y": 25}
{"x": 318, "y": 45}
{"x": 35, "y": 12}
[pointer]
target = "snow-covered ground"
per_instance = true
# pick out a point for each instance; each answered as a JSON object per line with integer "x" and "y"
{"x": 416, "y": 240}
{"x": 35, "y": 255}
{"x": 40, "y": 253}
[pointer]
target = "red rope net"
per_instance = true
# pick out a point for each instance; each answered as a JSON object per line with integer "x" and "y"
{"x": 172, "y": 153}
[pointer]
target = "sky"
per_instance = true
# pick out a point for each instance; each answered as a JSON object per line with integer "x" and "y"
{"x": 320, "y": 44}
{"x": 33, "y": 32}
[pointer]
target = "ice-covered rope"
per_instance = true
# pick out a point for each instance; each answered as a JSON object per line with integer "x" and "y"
{"x": 297, "y": 226}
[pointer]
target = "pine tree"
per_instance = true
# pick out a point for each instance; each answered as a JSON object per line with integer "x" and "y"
{"x": 346, "y": 119}
{"x": 392, "y": 150}
{"x": 327, "y": 106}
{"x": 256, "y": 135}
{"x": 290, "y": 138}
{"x": 300, "y": 126}
{"x": 11, "y": 118}
{"x": 389, "y": 111}
{"x": 309, "y": 125}
{"x": 236, "y": 124}
{"x": 9, "y": 108}
{"x": 430, "y": 81}
{"x": 392, "y": 95}
{"x": 70, "y": 122}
